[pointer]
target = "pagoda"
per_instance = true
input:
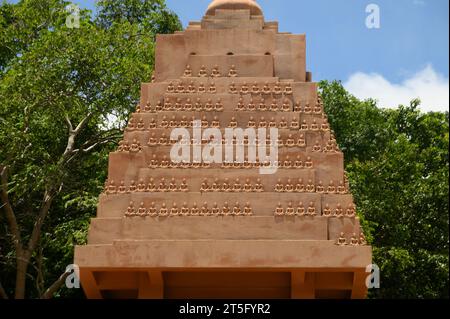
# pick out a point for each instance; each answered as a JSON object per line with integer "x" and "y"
{"x": 199, "y": 229}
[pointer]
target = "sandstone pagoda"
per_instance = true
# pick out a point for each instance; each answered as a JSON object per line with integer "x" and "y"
{"x": 210, "y": 230}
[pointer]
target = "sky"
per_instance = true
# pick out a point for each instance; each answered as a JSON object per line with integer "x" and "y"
{"x": 405, "y": 58}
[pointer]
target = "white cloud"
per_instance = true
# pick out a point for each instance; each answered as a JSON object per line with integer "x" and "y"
{"x": 427, "y": 85}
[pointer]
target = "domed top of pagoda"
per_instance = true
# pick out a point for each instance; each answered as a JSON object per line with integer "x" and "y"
{"x": 255, "y": 9}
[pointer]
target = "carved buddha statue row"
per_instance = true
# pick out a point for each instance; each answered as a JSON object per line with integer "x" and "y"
{"x": 228, "y": 187}
{"x": 150, "y": 187}
{"x": 300, "y": 187}
{"x": 156, "y": 163}
{"x": 262, "y": 106}
{"x": 300, "y": 210}
{"x": 125, "y": 146}
{"x": 215, "y": 72}
{"x": 290, "y": 141}
{"x": 354, "y": 240}
{"x": 188, "y": 210}
{"x": 339, "y": 212}
{"x": 276, "y": 90}
{"x": 191, "y": 88}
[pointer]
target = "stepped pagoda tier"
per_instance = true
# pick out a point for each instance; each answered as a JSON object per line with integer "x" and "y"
{"x": 195, "y": 229}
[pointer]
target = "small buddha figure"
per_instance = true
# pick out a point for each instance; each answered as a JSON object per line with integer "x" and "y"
{"x": 140, "y": 125}
{"x": 152, "y": 124}
{"x": 215, "y": 122}
{"x": 184, "y": 210}
{"x": 289, "y": 187}
{"x": 283, "y": 123}
{"x": 341, "y": 188}
{"x": 132, "y": 188}
{"x": 216, "y": 185}
{"x": 191, "y": 87}
{"x": 201, "y": 88}
{"x": 304, "y": 126}
{"x": 279, "y": 187}
{"x": 255, "y": 88}
{"x": 342, "y": 241}
{"x": 173, "y": 185}
{"x": 141, "y": 186}
{"x": 188, "y": 71}
{"x": 301, "y": 142}
{"x": 266, "y": 89}
{"x": 163, "y": 211}
{"x": 135, "y": 146}
{"x": 327, "y": 211}
{"x": 286, "y": 107}
{"x": 301, "y": 211}
{"x": 202, "y": 73}
{"x": 205, "y": 210}
{"x": 111, "y": 189}
{"x": 241, "y": 105}
{"x": 198, "y": 105}
{"x": 272, "y": 122}
{"x": 153, "y": 162}
{"x": 288, "y": 89}
{"x": 184, "y": 122}
{"x": 290, "y": 142}
{"x": 329, "y": 147}
{"x": 274, "y": 105}
{"x": 277, "y": 90}
{"x": 251, "y": 105}
{"x": 325, "y": 126}
{"x": 148, "y": 107}
{"x": 205, "y": 122}
{"x": 233, "y": 123}
{"x": 212, "y": 88}
{"x": 232, "y": 89}
{"x": 295, "y": 125}
{"x": 248, "y": 211}
{"x": 184, "y": 187}
{"x": 164, "y": 122}
{"x": 318, "y": 109}
{"x": 290, "y": 211}
{"x": 170, "y": 88}
{"x": 331, "y": 188}
{"x": 339, "y": 212}
{"x": 151, "y": 211}
{"x": 279, "y": 211}
{"x": 262, "y": 105}
{"x": 351, "y": 211}
{"x": 362, "y": 240}
{"x": 309, "y": 163}
{"x": 317, "y": 147}
{"x": 225, "y": 209}
{"x": 204, "y": 187}
{"x": 314, "y": 126}
{"x": 247, "y": 186}
{"x": 287, "y": 162}
{"x": 215, "y": 73}
{"x": 262, "y": 122}
{"x": 142, "y": 211}
{"x": 310, "y": 188}
{"x": 163, "y": 140}
{"x": 195, "y": 211}
{"x": 300, "y": 187}
{"x": 320, "y": 188}
{"x": 167, "y": 105}
{"x": 219, "y": 105}
{"x": 244, "y": 89}
{"x": 180, "y": 88}
{"x": 151, "y": 187}
{"x": 312, "y": 209}
{"x": 162, "y": 186}
{"x": 131, "y": 211}
{"x": 232, "y": 73}
{"x": 251, "y": 122}
{"x": 354, "y": 241}
{"x": 159, "y": 106}
{"x": 131, "y": 124}
{"x": 259, "y": 187}
{"x": 122, "y": 188}
{"x": 307, "y": 109}
{"x": 209, "y": 105}
{"x": 173, "y": 122}
{"x": 215, "y": 210}
{"x": 226, "y": 186}
{"x": 153, "y": 79}
{"x": 237, "y": 187}
{"x": 298, "y": 107}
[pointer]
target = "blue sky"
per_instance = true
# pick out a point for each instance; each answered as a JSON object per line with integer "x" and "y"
{"x": 410, "y": 51}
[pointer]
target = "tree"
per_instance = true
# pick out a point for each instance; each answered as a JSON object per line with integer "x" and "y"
{"x": 398, "y": 166}
{"x": 66, "y": 95}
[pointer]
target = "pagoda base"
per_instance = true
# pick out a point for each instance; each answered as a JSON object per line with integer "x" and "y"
{"x": 223, "y": 269}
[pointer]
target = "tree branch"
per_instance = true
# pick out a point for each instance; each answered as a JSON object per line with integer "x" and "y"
{"x": 10, "y": 216}
{"x": 3, "y": 294}
{"x": 55, "y": 286}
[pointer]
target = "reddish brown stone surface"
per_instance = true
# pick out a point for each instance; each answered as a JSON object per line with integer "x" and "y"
{"x": 213, "y": 231}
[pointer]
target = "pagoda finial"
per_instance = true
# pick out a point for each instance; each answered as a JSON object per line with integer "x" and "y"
{"x": 254, "y": 7}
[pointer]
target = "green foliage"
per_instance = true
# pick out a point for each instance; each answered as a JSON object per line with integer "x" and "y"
{"x": 398, "y": 166}
{"x": 50, "y": 73}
